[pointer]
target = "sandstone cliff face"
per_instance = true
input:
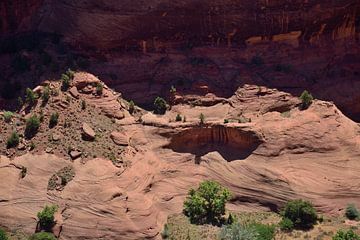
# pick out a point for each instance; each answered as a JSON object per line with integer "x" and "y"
{"x": 109, "y": 23}
{"x": 16, "y": 15}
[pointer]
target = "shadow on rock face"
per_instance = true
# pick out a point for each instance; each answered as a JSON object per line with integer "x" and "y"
{"x": 230, "y": 142}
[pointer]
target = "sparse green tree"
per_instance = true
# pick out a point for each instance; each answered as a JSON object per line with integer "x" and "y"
{"x": 306, "y": 99}
{"x": 99, "y": 89}
{"x": 178, "y": 118}
{"x": 7, "y": 116}
{"x": 46, "y": 217}
{"x": 32, "y": 126}
{"x": 207, "y": 203}
{"x": 30, "y": 96}
{"x": 346, "y": 235}
{"x": 131, "y": 107}
{"x": 160, "y": 105}
{"x": 13, "y": 140}
{"x": 3, "y": 235}
{"x": 54, "y": 118}
{"x": 45, "y": 95}
{"x": 301, "y": 213}
{"x": 65, "y": 82}
{"x": 351, "y": 212}
{"x": 42, "y": 236}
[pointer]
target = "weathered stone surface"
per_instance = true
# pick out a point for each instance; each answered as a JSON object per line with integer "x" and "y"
{"x": 74, "y": 92}
{"x": 75, "y": 154}
{"x": 120, "y": 138}
{"x": 87, "y": 132}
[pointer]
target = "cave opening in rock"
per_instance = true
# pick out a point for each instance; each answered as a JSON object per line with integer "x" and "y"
{"x": 230, "y": 142}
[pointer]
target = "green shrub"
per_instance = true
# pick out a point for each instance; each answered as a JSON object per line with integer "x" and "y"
{"x": 301, "y": 213}
{"x": 131, "y": 107}
{"x": 30, "y": 96}
{"x": 160, "y": 105}
{"x": 32, "y": 126}
{"x": 65, "y": 82}
{"x": 99, "y": 89}
{"x": 237, "y": 231}
{"x": 3, "y": 235}
{"x": 83, "y": 104}
{"x": 351, "y": 212}
{"x": 226, "y": 121}
{"x": 23, "y": 172}
{"x": 54, "y": 118}
{"x": 42, "y": 236}
{"x": 7, "y": 116}
{"x": 231, "y": 219}
{"x": 178, "y": 118}
{"x": 13, "y": 140}
{"x": 306, "y": 99}
{"x": 46, "y": 95}
{"x": 165, "y": 234}
{"x": 264, "y": 231}
{"x": 346, "y": 235}
{"x": 46, "y": 217}
{"x": 70, "y": 74}
{"x": 207, "y": 203}
{"x": 202, "y": 118}
{"x": 286, "y": 224}
{"x": 173, "y": 90}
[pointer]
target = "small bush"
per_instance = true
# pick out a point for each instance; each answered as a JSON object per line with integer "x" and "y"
{"x": 346, "y": 235}
{"x": 32, "y": 146}
{"x": 301, "y": 213}
{"x": 54, "y": 118}
{"x": 131, "y": 107}
{"x": 226, "y": 121}
{"x": 264, "y": 231}
{"x": 231, "y": 219}
{"x": 3, "y": 235}
{"x": 83, "y": 104}
{"x": 30, "y": 96}
{"x": 173, "y": 90}
{"x": 237, "y": 231}
{"x": 351, "y": 212}
{"x": 306, "y": 99}
{"x": 65, "y": 82}
{"x": 23, "y": 172}
{"x": 178, "y": 118}
{"x": 165, "y": 234}
{"x": 286, "y": 224}
{"x": 32, "y": 126}
{"x": 99, "y": 89}
{"x": 202, "y": 118}
{"x": 46, "y": 217}
{"x": 207, "y": 203}
{"x": 42, "y": 236}
{"x": 13, "y": 140}
{"x": 7, "y": 116}
{"x": 160, "y": 105}
{"x": 45, "y": 95}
